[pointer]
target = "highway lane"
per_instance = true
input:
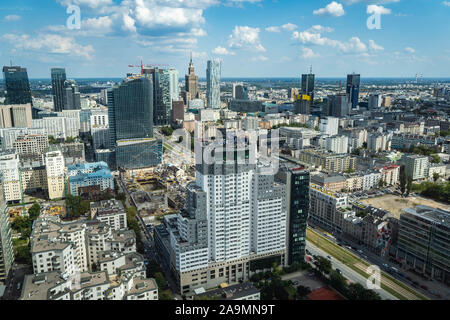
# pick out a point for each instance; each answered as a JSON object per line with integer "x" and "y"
{"x": 348, "y": 272}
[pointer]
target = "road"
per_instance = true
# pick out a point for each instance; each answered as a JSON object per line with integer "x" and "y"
{"x": 15, "y": 277}
{"x": 348, "y": 272}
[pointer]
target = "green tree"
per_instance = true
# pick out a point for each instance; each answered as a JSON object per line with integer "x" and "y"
{"x": 436, "y": 176}
{"x": 52, "y": 140}
{"x": 76, "y": 206}
{"x": 167, "y": 131}
{"x": 152, "y": 268}
{"x": 165, "y": 295}
{"x": 357, "y": 292}
{"x": 435, "y": 158}
{"x": 408, "y": 186}
{"x": 338, "y": 282}
{"x": 323, "y": 264}
{"x": 160, "y": 280}
{"x": 34, "y": 211}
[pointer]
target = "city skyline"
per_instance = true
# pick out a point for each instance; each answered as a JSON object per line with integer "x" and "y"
{"x": 332, "y": 36}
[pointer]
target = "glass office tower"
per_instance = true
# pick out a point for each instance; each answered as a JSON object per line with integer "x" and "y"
{"x": 130, "y": 110}
{"x": 213, "y": 71}
{"x": 58, "y": 79}
{"x": 353, "y": 81}
{"x": 308, "y": 85}
{"x": 17, "y": 85}
{"x": 162, "y": 96}
{"x": 297, "y": 181}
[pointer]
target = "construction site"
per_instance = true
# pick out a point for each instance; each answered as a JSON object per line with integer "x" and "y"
{"x": 157, "y": 192}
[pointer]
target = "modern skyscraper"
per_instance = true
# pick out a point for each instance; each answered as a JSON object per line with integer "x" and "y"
{"x": 17, "y": 85}
{"x": 58, "y": 90}
{"x": 302, "y": 104}
{"x": 71, "y": 96}
{"x": 240, "y": 92}
{"x": 308, "y": 85}
{"x": 337, "y": 106}
{"x": 162, "y": 102}
{"x": 191, "y": 83}
{"x": 353, "y": 81}
{"x": 213, "y": 71}
{"x": 130, "y": 115}
{"x": 130, "y": 110}
{"x": 296, "y": 180}
{"x": 174, "y": 89}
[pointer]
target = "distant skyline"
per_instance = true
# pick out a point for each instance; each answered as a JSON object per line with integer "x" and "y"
{"x": 254, "y": 38}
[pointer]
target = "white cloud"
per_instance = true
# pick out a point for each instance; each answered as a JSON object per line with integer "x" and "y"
{"x": 246, "y": 38}
{"x": 374, "y": 46}
{"x": 320, "y": 29}
{"x": 260, "y": 58}
{"x": 50, "y": 43}
{"x": 446, "y": 3}
{"x": 313, "y": 36}
{"x": 308, "y": 53}
{"x": 93, "y": 4}
{"x": 223, "y": 51}
{"x": 333, "y": 9}
{"x": 287, "y": 27}
{"x": 370, "y": 1}
{"x": 410, "y": 50}
{"x": 373, "y": 8}
{"x": 12, "y": 17}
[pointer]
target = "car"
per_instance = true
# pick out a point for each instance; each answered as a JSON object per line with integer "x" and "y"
{"x": 307, "y": 251}
{"x": 329, "y": 257}
{"x": 338, "y": 271}
{"x": 295, "y": 283}
{"x": 385, "y": 265}
{"x": 18, "y": 285}
{"x": 360, "y": 251}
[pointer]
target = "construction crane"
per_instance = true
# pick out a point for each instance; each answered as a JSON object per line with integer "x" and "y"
{"x": 142, "y": 66}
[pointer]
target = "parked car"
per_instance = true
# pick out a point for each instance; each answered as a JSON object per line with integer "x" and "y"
{"x": 329, "y": 257}
{"x": 339, "y": 271}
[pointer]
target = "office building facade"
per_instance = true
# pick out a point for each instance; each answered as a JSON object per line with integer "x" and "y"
{"x": 308, "y": 85}
{"x": 58, "y": 90}
{"x": 17, "y": 85}
{"x": 353, "y": 82}
{"x": 296, "y": 180}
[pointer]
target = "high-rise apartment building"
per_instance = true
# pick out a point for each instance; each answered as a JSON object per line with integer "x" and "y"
{"x": 17, "y": 85}
{"x": 54, "y": 162}
{"x": 10, "y": 173}
{"x": 6, "y": 247}
{"x": 191, "y": 83}
{"x": 58, "y": 90}
{"x": 416, "y": 167}
{"x": 213, "y": 72}
{"x": 308, "y": 85}
{"x": 353, "y": 82}
{"x": 329, "y": 125}
{"x": 297, "y": 181}
{"x": 234, "y": 222}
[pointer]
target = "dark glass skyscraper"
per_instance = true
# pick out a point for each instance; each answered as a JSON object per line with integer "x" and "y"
{"x": 162, "y": 102}
{"x": 17, "y": 85}
{"x": 297, "y": 203}
{"x": 308, "y": 85}
{"x": 353, "y": 81}
{"x": 130, "y": 113}
{"x": 72, "y": 99}
{"x": 58, "y": 79}
{"x": 130, "y": 110}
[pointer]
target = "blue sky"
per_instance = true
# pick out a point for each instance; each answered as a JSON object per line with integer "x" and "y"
{"x": 254, "y": 38}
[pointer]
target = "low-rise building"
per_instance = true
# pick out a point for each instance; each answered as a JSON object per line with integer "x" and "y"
{"x": 89, "y": 174}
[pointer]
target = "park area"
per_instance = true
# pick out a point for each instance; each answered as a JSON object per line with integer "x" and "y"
{"x": 395, "y": 204}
